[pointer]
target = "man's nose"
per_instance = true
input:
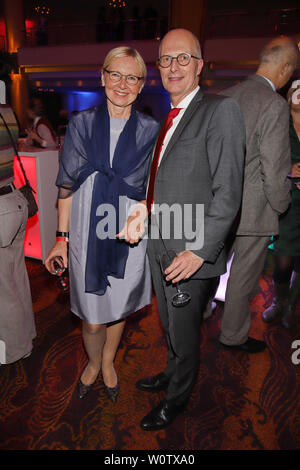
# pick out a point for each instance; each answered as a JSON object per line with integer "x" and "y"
{"x": 174, "y": 64}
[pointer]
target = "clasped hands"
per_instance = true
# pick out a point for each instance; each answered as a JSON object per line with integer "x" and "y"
{"x": 31, "y": 134}
{"x": 182, "y": 267}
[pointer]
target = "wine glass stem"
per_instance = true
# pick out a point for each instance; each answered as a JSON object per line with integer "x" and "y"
{"x": 177, "y": 288}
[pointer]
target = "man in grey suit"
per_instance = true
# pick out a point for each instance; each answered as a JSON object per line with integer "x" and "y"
{"x": 266, "y": 191}
{"x": 201, "y": 163}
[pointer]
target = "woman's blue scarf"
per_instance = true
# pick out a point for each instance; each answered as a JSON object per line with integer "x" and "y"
{"x": 127, "y": 177}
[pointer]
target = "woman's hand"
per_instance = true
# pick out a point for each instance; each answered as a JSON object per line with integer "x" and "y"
{"x": 135, "y": 225}
{"x": 60, "y": 249}
{"x": 31, "y": 134}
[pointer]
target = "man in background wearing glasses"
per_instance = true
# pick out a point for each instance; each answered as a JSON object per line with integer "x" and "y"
{"x": 200, "y": 162}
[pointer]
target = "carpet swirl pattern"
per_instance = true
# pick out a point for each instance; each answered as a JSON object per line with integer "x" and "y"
{"x": 240, "y": 401}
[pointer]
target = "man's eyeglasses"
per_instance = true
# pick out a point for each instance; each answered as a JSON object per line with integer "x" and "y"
{"x": 116, "y": 77}
{"x": 183, "y": 59}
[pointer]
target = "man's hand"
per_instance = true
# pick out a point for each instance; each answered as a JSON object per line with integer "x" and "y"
{"x": 296, "y": 170}
{"x": 296, "y": 173}
{"x": 135, "y": 225}
{"x": 183, "y": 266}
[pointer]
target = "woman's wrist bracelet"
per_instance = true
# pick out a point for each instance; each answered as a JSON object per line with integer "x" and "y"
{"x": 62, "y": 239}
{"x": 62, "y": 236}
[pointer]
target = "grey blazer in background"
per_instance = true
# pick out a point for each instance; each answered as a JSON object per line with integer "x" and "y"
{"x": 266, "y": 191}
{"x": 203, "y": 164}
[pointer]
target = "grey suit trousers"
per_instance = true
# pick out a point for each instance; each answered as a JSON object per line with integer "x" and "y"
{"x": 17, "y": 327}
{"x": 248, "y": 262}
{"x": 181, "y": 325}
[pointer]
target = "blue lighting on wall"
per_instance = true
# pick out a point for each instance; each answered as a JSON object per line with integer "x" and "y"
{"x": 158, "y": 101}
{"x": 79, "y": 100}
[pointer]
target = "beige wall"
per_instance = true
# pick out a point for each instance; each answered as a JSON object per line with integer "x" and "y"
{"x": 189, "y": 14}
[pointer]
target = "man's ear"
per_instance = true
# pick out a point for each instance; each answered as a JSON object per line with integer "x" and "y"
{"x": 200, "y": 66}
{"x": 285, "y": 69}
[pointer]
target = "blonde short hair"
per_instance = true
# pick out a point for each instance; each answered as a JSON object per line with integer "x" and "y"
{"x": 126, "y": 51}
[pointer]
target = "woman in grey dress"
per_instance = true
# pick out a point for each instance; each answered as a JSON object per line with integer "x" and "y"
{"x": 103, "y": 172}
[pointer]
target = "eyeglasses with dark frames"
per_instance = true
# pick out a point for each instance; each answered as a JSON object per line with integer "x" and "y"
{"x": 183, "y": 59}
{"x": 116, "y": 77}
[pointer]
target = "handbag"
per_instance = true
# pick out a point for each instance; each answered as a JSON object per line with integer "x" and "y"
{"x": 26, "y": 190}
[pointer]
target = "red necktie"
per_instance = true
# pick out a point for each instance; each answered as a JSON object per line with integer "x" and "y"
{"x": 166, "y": 126}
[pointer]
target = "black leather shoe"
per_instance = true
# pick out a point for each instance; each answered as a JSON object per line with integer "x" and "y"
{"x": 153, "y": 384}
{"x": 161, "y": 416}
{"x": 251, "y": 346}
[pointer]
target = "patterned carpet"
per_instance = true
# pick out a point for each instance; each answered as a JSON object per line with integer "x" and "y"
{"x": 239, "y": 402}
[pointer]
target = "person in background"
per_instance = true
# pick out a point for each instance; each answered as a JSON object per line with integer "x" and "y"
{"x": 17, "y": 325}
{"x": 105, "y": 160}
{"x": 41, "y": 134}
{"x": 286, "y": 276}
{"x": 266, "y": 187}
{"x": 62, "y": 126}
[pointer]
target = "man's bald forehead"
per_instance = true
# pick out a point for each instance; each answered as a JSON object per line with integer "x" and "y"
{"x": 183, "y": 34}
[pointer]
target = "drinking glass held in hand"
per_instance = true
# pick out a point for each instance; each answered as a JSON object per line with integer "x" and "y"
{"x": 58, "y": 268}
{"x": 181, "y": 298}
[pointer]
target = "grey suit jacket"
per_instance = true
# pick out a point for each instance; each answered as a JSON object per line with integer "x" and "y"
{"x": 203, "y": 164}
{"x": 266, "y": 192}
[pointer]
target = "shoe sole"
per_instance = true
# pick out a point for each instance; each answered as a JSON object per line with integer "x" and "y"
{"x": 160, "y": 389}
{"x": 156, "y": 428}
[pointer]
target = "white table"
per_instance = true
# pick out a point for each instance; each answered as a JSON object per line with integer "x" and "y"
{"x": 41, "y": 167}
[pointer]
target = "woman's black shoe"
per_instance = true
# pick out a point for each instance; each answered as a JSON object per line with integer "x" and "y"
{"x": 83, "y": 390}
{"x": 112, "y": 392}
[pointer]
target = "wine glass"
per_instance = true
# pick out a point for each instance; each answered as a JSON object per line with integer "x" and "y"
{"x": 58, "y": 269}
{"x": 58, "y": 265}
{"x": 181, "y": 298}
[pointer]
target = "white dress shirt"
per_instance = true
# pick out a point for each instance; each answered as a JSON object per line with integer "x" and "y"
{"x": 183, "y": 104}
{"x": 271, "y": 83}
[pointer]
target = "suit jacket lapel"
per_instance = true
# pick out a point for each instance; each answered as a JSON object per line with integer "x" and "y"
{"x": 151, "y": 158}
{"x": 183, "y": 123}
